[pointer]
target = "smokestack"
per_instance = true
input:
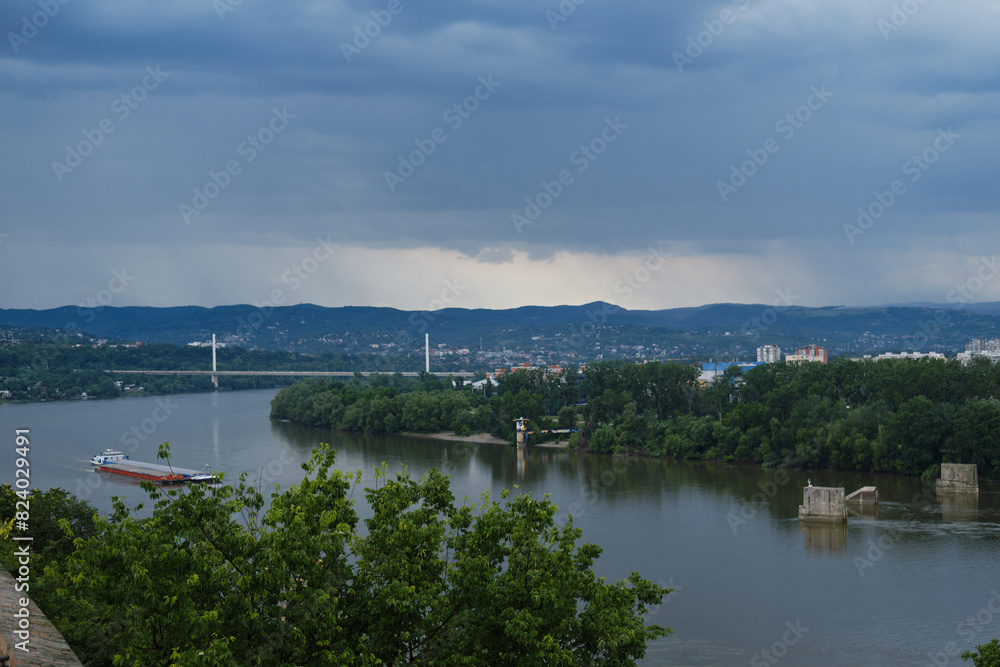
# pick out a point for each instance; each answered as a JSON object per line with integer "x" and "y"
{"x": 427, "y": 352}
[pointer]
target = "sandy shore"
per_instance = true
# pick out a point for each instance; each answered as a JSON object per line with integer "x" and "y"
{"x": 482, "y": 438}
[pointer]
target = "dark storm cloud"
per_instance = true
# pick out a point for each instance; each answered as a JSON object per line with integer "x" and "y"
{"x": 605, "y": 126}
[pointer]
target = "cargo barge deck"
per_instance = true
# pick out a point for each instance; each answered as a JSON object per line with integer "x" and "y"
{"x": 156, "y": 472}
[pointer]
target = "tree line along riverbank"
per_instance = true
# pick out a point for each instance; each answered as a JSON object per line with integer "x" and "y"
{"x": 905, "y": 416}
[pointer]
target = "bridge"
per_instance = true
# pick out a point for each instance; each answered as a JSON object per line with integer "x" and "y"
{"x": 215, "y": 373}
{"x": 462, "y": 374}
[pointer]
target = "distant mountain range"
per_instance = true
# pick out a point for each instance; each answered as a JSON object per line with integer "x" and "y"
{"x": 988, "y": 308}
{"x": 313, "y": 328}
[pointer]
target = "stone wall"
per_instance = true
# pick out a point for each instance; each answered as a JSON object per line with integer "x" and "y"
{"x": 46, "y": 647}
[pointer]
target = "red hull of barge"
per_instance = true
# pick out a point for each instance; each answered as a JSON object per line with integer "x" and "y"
{"x": 159, "y": 478}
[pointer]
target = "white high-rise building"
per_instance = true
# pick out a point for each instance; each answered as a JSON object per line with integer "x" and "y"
{"x": 769, "y": 354}
{"x": 979, "y": 346}
{"x": 911, "y": 355}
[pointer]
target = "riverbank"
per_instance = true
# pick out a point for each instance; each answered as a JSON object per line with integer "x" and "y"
{"x": 131, "y": 395}
{"x": 664, "y": 518}
{"x": 482, "y": 438}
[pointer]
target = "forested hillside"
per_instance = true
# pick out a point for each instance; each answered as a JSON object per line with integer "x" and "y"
{"x": 561, "y": 334}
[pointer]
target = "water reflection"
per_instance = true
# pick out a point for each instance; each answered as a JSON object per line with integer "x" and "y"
{"x": 958, "y": 506}
{"x": 299, "y": 437}
{"x": 215, "y": 438}
{"x": 748, "y": 492}
{"x": 726, "y": 535}
{"x": 862, "y": 510}
{"x": 824, "y": 537}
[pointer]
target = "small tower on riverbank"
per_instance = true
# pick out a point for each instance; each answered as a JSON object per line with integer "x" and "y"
{"x": 521, "y": 430}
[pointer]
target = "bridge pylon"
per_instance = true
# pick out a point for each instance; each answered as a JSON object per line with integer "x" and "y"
{"x": 215, "y": 377}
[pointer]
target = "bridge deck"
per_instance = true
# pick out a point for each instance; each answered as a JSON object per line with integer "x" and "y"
{"x": 295, "y": 373}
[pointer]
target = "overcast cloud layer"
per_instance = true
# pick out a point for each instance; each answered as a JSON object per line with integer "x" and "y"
{"x": 497, "y": 153}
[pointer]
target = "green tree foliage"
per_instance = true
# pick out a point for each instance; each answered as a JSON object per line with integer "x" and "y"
{"x": 977, "y": 439}
{"x": 49, "y": 511}
{"x": 217, "y": 577}
{"x": 903, "y": 416}
{"x": 567, "y": 417}
{"x": 525, "y": 404}
{"x": 906, "y": 416}
{"x": 410, "y": 407}
{"x": 917, "y": 433}
{"x": 987, "y": 655}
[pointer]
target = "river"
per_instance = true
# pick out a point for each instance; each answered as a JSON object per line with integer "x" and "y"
{"x": 914, "y": 583}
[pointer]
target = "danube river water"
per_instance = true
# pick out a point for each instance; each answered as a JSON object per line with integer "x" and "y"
{"x": 914, "y": 583}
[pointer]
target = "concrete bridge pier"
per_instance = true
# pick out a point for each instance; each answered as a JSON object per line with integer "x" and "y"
{"x": 823, "y": 504}
{"x": 958, "y": 478}
{"x": 866, "y": 495}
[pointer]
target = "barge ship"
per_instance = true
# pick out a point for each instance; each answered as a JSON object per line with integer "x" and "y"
{"x": 156, "y": 472}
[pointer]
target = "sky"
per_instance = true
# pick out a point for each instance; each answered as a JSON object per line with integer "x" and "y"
{"x": 498, "y": 153}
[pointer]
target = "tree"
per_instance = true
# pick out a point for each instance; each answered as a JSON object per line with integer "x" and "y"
{"x": 987, "y": 655}
{"x": 917, "y": 433}
{"x": 521, "y": 380}
{"x": 212, "y": 578}
{"x": 976, "y": 439}
{"x": 567, "y": 417}
{"x": 667, "y": 385}
{"x": 523, "y": 404}
{"x": 47, "y": 509}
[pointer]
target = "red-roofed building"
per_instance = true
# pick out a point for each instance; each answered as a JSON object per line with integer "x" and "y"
{"x": 808, "y": 353}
